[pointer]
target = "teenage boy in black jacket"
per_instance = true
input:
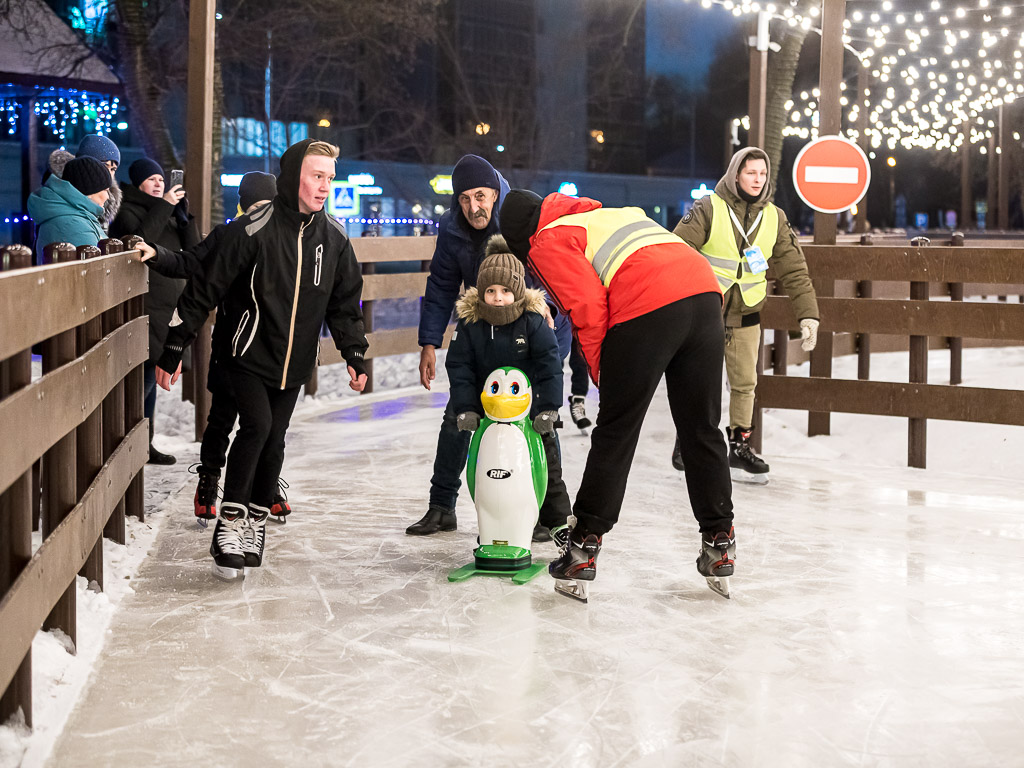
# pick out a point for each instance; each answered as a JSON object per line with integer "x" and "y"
{"x": 280, "y": 274}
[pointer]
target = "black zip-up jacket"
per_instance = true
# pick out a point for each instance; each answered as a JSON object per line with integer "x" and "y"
{"x": 280, "y": 275}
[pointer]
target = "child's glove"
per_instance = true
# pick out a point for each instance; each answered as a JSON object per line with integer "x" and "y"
{"x": 468, "y": 421}
{"x": 544, "y": 422}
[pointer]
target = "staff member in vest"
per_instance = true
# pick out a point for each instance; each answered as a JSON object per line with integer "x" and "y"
{"x": 642, "y": 305}
{"x": 740, "y": 232}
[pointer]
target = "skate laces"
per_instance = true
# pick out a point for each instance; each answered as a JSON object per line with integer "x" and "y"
{"x": 282, "y": 486}
{"x": 576, "y": 408}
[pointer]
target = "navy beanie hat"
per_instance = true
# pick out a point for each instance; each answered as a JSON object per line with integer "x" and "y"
{"x": 99, "y": 147}
{"x": 88, "y": 175}
{"x": 473, "y": 171}
{"x": 256, "y": 186}
{"x": 142, "y": 169}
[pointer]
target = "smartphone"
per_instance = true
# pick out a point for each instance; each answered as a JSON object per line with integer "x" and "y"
{"x": 177, "y": 178}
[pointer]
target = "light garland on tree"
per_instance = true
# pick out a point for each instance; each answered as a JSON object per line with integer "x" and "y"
{"x": 60, "y": 112}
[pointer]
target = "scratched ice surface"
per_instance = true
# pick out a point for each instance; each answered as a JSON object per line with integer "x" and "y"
{"x": 877, "y": 618}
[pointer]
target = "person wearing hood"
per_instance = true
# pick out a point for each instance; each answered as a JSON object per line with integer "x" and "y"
{"x": 160, "y": 217}
{"x": 463, "y": 232}
{"x": 69, "y": 209}
{"x": 503, "y": 323}
{"x": 741, "y": 232}
{"x": 643, "y": 306}
{"x": 280, "y": 274}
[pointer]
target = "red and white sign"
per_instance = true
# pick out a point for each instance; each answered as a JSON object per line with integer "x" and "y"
{"x": 831, "y": 174}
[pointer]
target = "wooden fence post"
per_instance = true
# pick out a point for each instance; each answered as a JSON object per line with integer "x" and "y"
{"x": 369, "y": 268}
{"x": 60, "y": 488}
{"x": 135, "y": 498}
{"x": 16, "y": 509}
{"x": 956, "y": 344}
{"x": 917, "y": 437}
{"x": 864, "y": 291}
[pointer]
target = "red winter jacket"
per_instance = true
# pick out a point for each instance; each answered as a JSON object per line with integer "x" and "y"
{"x": 604, "y": 266}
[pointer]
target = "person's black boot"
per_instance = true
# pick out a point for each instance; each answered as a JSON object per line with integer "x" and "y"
{"x": 155, "y": 456}
{"x": 437, "y": 519}
{"x": 677, "y": 457}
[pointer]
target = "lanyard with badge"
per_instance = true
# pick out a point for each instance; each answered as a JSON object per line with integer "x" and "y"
{"x": 753, "y": 254}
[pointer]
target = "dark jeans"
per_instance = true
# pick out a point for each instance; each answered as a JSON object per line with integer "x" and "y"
{"x": 450, "y": 460}
{"x": 149, "y": 389}
{"x": 257, "y": 454}
{"x": 683, "y": 341}
{"x": 221, "y": 420}
{"x": 579, "y": 384}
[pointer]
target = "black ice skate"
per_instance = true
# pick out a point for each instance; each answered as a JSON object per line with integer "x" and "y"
{"x": 280, "y": 508}
{"x": 715, "y": 561}
{"x": 254, "y": 537}
{"x": 677, "y": 457}
{"x": 227, "y": 546}
{"x": 205, "y": 501}
{"x": 745, "y": 466}
{"x": 577, "y": 410}
{"x": 576, "y": 564}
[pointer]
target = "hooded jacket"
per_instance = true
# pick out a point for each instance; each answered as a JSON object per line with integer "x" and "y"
{"x": 154, "y": 220}
{"x": 279, "y": 274}
{"x": 64, "y": 215}
{"x": 652, "y": 276}
{"x": 786, "y": 259}
{"x": 453, "y": 269}
{"x": 526, "y": 343}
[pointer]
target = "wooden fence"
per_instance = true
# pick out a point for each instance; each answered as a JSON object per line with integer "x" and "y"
{"x": 72, "y": 443}
{"x": 864, "y": 275}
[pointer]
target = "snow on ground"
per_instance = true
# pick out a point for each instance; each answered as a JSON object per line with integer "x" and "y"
{"x": 961, "y": 456}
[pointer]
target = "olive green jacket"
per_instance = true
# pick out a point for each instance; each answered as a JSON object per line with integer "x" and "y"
{"x": 786, "y": 259}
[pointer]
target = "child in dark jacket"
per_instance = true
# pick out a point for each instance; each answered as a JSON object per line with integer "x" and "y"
{"x": 501, "y": 323}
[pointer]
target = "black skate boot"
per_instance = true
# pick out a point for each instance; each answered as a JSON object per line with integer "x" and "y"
{"x": 280, "y": 508}
{"x": 205, "y": 501}
{"x": 716, "y": 560}
{"x": 745, "y": 465}
{"x": 438, "y": 518}
{"x": 228, "y": 540}
{"x": 541, "y": 533}
{"x": 577, "y": 410}
{"x": 254, "y": 538}
{"x": 576, "y": 564}
{"x": 677, "y": 457}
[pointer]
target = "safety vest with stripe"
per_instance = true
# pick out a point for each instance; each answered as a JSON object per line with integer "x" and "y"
{"x": 727, "y": 260}
{"x": 613, "y": 235}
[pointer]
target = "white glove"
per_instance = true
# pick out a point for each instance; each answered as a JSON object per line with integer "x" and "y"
{"x": 808, "y": 334}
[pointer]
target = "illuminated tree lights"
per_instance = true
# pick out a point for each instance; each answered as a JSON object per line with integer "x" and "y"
{"x": 61, "y": 109}
{"x": 935, "y": 67}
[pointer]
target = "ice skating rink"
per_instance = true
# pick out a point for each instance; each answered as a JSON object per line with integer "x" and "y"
{"x": 877, "y": 619}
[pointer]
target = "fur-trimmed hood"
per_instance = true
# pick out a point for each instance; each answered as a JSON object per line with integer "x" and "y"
{"x": 61, "y": 157}
{"x": 468, "y": 306}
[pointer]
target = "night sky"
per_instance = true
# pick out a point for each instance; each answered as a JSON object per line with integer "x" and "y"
{"x": 681, "y": 36}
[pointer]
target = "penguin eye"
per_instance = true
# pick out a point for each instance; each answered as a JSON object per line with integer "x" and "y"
{"x": 494, "y": 387}
{"x": 515, "y": 387}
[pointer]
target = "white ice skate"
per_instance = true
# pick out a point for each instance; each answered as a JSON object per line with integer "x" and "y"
{"x": 229, "y": 539}
{"x": 578, "y": 412}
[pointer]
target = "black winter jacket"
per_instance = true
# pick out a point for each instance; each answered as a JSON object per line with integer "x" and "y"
{"x": 478, "y": 348}
{"x": 153, "y": 219}
{"x": 279, "y": 275}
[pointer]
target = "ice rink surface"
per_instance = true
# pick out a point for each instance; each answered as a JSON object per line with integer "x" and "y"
{"x": 877, "y": 619}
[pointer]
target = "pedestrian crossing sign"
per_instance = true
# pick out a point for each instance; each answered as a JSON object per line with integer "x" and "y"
{"x": 343, "y": 200}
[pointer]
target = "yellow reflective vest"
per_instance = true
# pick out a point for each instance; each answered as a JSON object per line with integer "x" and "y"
{"x": 728, "y": 262}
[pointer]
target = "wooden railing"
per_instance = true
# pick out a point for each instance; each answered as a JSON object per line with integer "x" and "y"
{"x": 865, "y": 274}
{"x": 73, "y": 442}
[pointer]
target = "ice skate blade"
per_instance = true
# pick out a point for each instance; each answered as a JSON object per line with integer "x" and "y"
{"x": 227, "y": 574}
{"x": 742, "y": 476}
{"x": 202, "y": 522}
{"x": 279, "y": 519}
{"x": 719, "y": 585}
{"x": 577, "y": 590}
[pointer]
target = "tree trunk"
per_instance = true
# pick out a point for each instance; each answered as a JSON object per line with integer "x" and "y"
{"x": 781, "y": 72}
{"x": 217, "y": 198}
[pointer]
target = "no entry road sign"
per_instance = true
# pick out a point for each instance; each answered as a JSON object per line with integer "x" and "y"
{"x": 831, "y": 174}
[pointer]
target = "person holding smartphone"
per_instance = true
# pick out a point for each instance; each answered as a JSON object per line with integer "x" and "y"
{"x": 158, "y": 213}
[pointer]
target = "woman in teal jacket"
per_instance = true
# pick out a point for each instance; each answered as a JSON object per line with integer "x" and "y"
{"x": 69, "y": 209}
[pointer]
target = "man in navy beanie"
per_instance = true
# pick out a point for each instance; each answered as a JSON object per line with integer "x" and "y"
{"x": 477, "y": 191}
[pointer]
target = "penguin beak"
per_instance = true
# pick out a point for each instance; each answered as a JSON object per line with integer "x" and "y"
{"x": 505, "y": 406}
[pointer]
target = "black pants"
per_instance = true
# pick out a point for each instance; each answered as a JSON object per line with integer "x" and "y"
{"x": 221, "y": 420}
{"x": 450, "y": 460}
{"x": 579, "y": 384}
{"x": 257, "y": 454}
{"x": 685, "y": 342}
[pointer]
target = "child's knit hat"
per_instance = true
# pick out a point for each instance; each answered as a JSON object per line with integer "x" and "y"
{"x": 500, "y": 267}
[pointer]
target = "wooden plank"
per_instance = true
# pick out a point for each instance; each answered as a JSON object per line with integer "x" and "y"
{"x": 404, "y": 285}
{"x": 27, "y": 424}
{"x": 58, "y": 297}
{"x": 883, "y": 398}
{"x": 378, "y": 249}
{"x": 397, "y": 341}
{"x": 945, "y": 264}
{"x": 57, "y": 561}
{"x": 915, "y": 318}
